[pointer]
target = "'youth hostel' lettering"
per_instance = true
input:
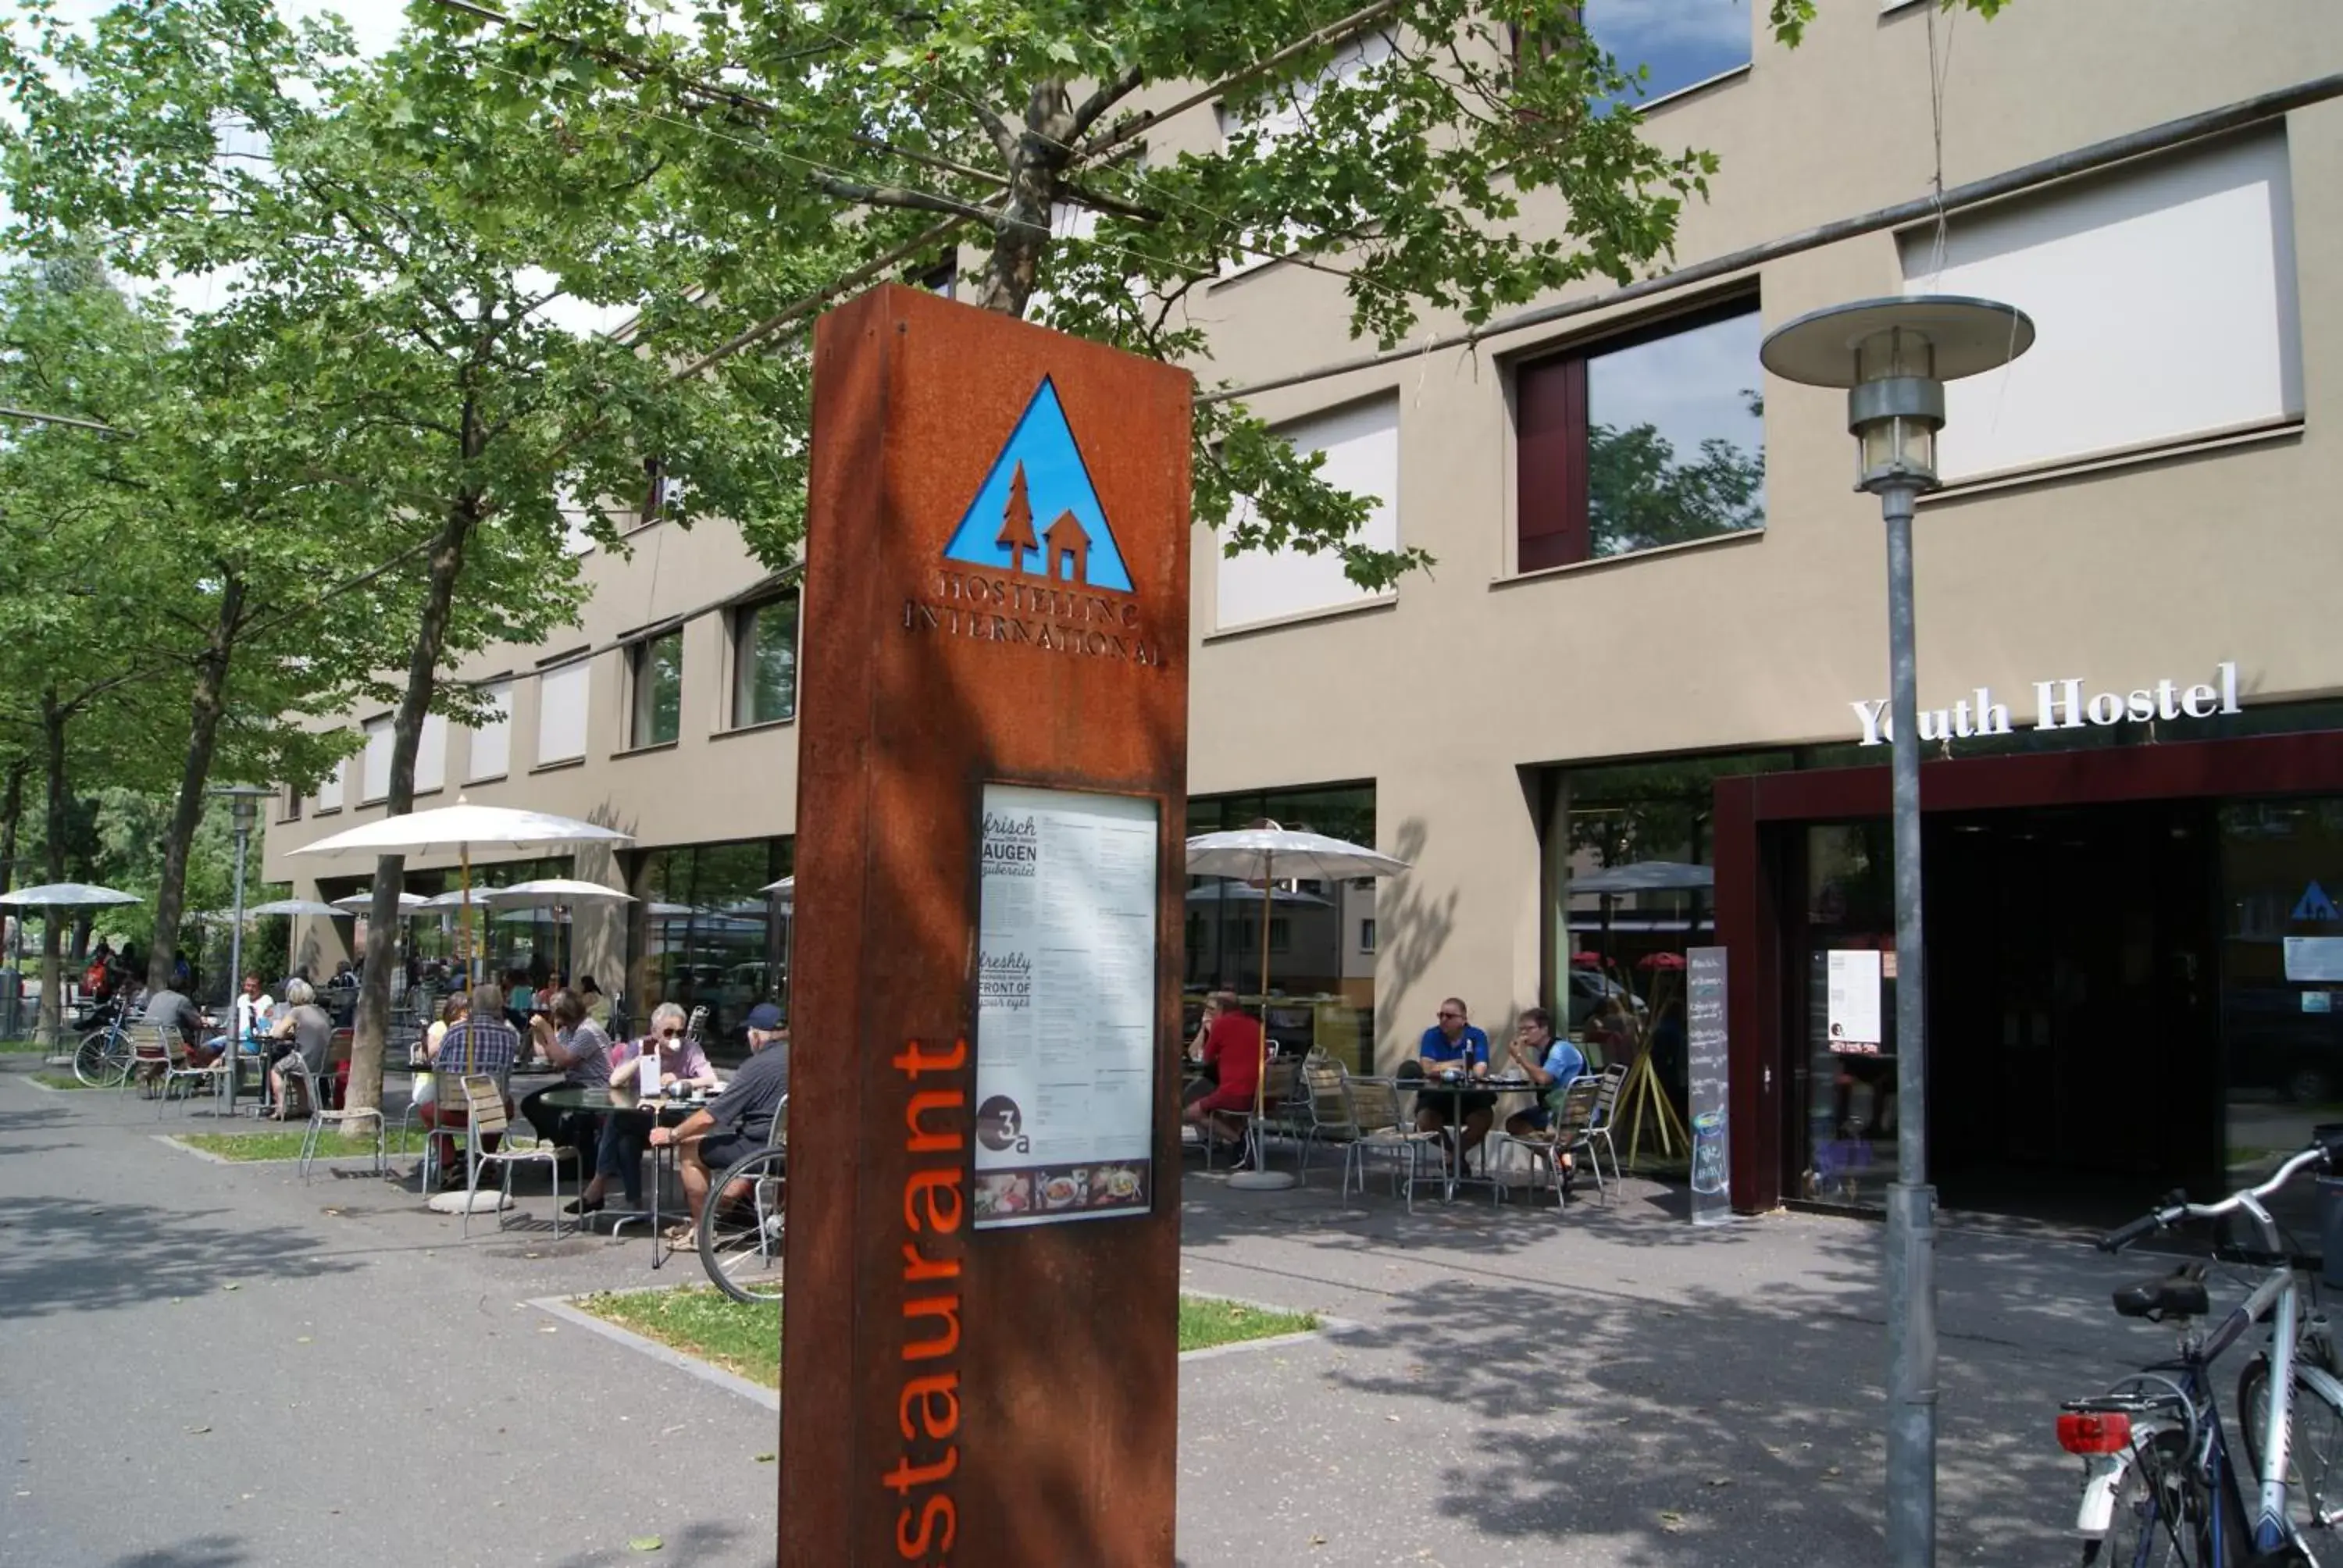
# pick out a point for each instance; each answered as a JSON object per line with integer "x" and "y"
{"x": 2059, "y": 705}
{"x": 927, "y": 1403}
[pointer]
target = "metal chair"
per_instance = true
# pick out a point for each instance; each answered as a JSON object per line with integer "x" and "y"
{"x": 1566, "y": 1135}
{"x": 159, "y": 1046}
{"x": 1277, "y": 1113}
{"x": 1378, "y": 1128}
{"x": 1325, "y": 1102}
{"x": 484, "y": 1106}
{"x": 296, "y": 1067}
{"x": 1599, "y": 1130}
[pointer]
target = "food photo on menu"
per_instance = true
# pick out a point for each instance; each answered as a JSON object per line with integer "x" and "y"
{"x": 1065, "y": 1189}
{"x": 1115, "y": 1186}
{"x": 1003, "y": 1193}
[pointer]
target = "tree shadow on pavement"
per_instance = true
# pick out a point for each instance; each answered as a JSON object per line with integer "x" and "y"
{"x": 68, "y": 1254}
{"x": 199, "y": 1551}
{"x": 700, "y": 1540}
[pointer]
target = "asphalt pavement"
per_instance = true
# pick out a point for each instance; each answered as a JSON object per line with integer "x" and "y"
{"x": 214, "y": 1366}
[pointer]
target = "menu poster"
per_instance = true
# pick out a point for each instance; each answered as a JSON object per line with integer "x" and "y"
{"x": 1065, "y": 1007}
{"x": 2314, "y": 959}
{"x": 1854, "y": 1001}
{"x": 1706, "y": 1057}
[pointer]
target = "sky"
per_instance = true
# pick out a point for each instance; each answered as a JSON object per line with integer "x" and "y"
{"x": 1683, "y": 41}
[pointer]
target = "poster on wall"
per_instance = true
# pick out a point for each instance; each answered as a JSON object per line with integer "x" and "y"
{"x": 1065, "y": 1007}
{"x": 1853, "y": 1001}
{"x": 1707, "y": 1054}
{"x": 2314, "y": 959}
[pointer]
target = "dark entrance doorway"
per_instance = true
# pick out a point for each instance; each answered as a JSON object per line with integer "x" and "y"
{"x": 2075, "y": 1063}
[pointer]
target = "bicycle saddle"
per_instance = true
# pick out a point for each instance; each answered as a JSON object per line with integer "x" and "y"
{"x": 2179, "y": 1294}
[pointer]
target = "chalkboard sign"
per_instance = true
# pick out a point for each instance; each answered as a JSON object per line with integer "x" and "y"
{"x": 1705, "y": 1055}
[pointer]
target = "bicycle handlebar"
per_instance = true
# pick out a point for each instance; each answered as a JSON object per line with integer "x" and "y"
{"x": 2176, "y": 1208}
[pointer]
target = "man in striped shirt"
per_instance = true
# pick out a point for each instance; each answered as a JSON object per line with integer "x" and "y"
{"x": 484, "y": 1043}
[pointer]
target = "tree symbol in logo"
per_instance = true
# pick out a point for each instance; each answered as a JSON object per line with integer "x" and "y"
{"x": 1017, "y": 524}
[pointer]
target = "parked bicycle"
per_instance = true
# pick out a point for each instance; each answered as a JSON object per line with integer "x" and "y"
{"x": 2160, "y": 1488}
{"x": 103, "y": 1058}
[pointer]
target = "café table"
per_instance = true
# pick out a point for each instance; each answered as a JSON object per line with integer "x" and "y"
{"x": 1456, "y": 1087}
{"x": 602, "y": 1103}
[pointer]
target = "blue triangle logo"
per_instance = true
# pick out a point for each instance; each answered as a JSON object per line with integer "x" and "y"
{"x": 2315, "y": 905}
{"x": 1036, "y": 514}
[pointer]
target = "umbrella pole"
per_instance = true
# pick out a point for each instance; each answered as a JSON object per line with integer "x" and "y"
{"x": 1260, "y": 1176}
{"x": 464, "y": 915}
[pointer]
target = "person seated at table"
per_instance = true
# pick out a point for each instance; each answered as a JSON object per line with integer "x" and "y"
{"x": 483, "y": 1043}
{"x": 735, "y": 1122}
{"x": 597, "y": 1006}
{"x": 169, "y": 1009}
{"x": 1547, "y": 1059}
{"x": 307, "y": 1028}
{"x": 575, "y": 1044}
{"x": 1230, "y": 1044}
{"x": 256, "y": 1015}
{"x": 666, "y": 1058}
{"x": 1454, "y": 1045}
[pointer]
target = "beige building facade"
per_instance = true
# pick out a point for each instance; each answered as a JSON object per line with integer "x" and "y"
{"x": 2146, "y": 498}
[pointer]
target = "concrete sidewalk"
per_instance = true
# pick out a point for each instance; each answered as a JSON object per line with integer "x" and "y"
{"x": 1607, "y": 1387}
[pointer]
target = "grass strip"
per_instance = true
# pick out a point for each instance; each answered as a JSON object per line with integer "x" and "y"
{"x": 746, "y": 1339}
{"x": 286, "y": 1143}
{"x": 21, "y": 1047}
{"x": 58, "y": 1080}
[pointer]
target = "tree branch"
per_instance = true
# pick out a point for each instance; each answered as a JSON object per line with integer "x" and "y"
{"x": 1108, "y": 94}
{"x": 912, "y": 200}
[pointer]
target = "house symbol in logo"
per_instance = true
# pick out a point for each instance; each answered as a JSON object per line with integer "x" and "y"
{"x": 2315, "y": 905}
{"x": 1040, "y": 473}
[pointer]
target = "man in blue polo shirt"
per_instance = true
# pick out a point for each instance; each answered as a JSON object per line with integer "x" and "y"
{"x": 1454, "y": 1046}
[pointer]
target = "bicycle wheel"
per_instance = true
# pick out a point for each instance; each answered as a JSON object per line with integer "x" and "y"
{"x": 102, "y": 1059}
{"x": 2163, "y": 1513}
{"x": 2314, "y": 1445}
{"x": 748, "y": 1212}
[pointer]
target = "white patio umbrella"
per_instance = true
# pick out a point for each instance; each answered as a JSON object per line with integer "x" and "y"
{"x": 360, "y": 902}
{"x": 1262, "y": 854}
{"x": 66, "y": 896}
{"x": 786, "y": 885}
{"x": 553, "y": 891}
{"x": 453, "y": 899}
{"x": 460, "y": 829}
{"x": 297, "y": 907}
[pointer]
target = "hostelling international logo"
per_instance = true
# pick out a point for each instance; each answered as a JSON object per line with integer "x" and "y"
{"x": 1034, "y": 560}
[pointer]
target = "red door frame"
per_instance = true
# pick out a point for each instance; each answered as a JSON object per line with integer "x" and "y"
{"x": 1748, "y": 885}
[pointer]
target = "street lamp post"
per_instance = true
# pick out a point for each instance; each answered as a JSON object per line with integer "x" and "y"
{"x": 244, "y": 806}
{"x": 1892, "y": 357}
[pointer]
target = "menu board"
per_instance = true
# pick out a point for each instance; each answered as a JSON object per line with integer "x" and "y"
{"x": 1706, "y": 1057}
{"x": 1065, "y": 1007}
{"x": 1854, "y": 1001}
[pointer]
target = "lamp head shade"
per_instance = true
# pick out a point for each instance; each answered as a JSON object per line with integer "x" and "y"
{"x": 1894, "y": 357}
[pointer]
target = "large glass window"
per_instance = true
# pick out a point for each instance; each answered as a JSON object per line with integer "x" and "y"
{"x": 712, "y": 935}
{"x": 655, "y": 666}
{"x": 765, "y": 662}
{"x": 1654, "y": 439}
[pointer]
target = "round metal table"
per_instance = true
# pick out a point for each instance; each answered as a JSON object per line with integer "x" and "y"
{"x": 593, "y": 1100}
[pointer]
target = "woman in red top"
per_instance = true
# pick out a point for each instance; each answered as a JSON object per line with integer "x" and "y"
{"x": 1231, "y": 1044}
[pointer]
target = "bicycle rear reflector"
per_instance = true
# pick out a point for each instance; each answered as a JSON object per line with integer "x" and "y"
{"x": 2094, "y": 1431}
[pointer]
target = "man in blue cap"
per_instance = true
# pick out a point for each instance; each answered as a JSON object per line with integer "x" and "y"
{"x": 735, "y": 1122}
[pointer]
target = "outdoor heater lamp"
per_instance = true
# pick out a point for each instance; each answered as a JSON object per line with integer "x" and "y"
{"x": 1893, "y": 357}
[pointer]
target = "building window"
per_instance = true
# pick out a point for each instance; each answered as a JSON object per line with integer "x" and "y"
{"x": 431, "y": 754}
{"x": 765, "y": 662}
{"x": 1675, "y": 44}
{"x": 561, "y": 712}
{"x": 941, "y": 278}
{"x": 712, "y": 934}
{"x": 374, "y": 775}
{"x": 1360, "y": 445}
{"x": 1657, "y": 438}
{"x": 2199, "y": 246}
{"x": 330, "y": 788}
{"x": 492, "y": 740}
{"x": 291, "y": 811}
{"x": 1366, "y": 935}
{"x": 1260, "y": 125}
{"x": 655, "y": 672}
{"x": 661, "y": 490}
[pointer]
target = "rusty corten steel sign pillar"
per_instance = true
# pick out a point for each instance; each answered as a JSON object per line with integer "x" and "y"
{"x": 980, "y": 1358}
